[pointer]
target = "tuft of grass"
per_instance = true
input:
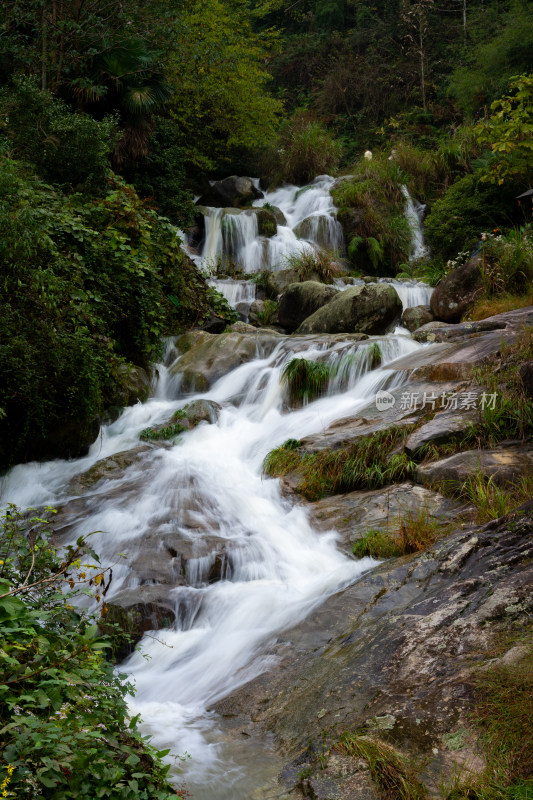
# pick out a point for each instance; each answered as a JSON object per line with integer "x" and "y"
{"x": 306, "y": 380}
{"x": 494, "y": 501}
{"x": 309, "y": 261}
{"x": 512, "y": 416}
{"x": 502, "y": 715}
{"x": 488, "y": 307}
{"x": 158, "y": 434}
{"x": 392, "y": 772}
{"x": 367, "y": 463}
{"x": 415, "y": 531}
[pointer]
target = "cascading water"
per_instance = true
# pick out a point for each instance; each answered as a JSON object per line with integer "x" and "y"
{"x": 240, "y": 294}
{"x": 206, "y": 496}
{"x": 310, "y": 218}
{"x": 209, "y": 488}
{"x": 414, "y": 213}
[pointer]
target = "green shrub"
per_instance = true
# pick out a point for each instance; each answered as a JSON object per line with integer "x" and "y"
{"x": 371, "y": 212}
{"x": 66, "y": 731}
{"x": 306, "y": 149}
{"x": 87, "y": 283}
{"x": 468, "y": 208}
{"x": 67, "y": 148}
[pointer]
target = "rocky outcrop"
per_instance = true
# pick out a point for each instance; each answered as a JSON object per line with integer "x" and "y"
{"x": 204, "y": 363}
{"x": 393, "y": 655}
{"x": 355, "y": 513}
{"x": 300, "y": 300}
{"x": 266, "y": 221}
{"x": 504, "y": 465}
{"x": 234, "y": 191}
{"x": 446, "y": 426}
{"x": 279, "y": 280}
{"x": 370, "y": 308}
{"x": 458, "y": 292}
{"x": 413, "y": 318}
{"x": 315, "y": 229}
{"x": 134, "y": 385}
{"x": 135, "y": 611}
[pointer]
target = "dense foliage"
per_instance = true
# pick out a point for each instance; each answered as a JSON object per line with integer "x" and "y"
{"x": 86, "y": 284}
{"x": 66, "y": 733}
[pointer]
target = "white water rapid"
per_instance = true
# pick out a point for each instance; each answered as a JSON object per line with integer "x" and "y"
{"x": 206, "y": 492}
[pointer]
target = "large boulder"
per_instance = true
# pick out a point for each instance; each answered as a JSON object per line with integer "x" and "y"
{"x": 321, "y": 229}
{"x": 203, "y": 364}
{"x": 458, "y": 292}
{"x": 369, "y": 309}
{"x": 233, "y": 191}
{"x": 300, "y": 300}
{"x": 413, "y": 318}
{"x": 266, "y": 221}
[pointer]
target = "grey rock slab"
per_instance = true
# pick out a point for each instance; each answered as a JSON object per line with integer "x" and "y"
{"x": 504, "y": 465}
{"x": 446, "y": 426}
{"x": 401, "y": 643}
{"x": 354, "y": 513}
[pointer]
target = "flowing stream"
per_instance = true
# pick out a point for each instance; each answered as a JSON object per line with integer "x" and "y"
{"x": 207, "y": 490}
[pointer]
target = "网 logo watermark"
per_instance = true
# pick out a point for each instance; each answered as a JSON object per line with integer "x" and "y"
{"x": 384, "y": 400}
{"x": 447, "y": 401}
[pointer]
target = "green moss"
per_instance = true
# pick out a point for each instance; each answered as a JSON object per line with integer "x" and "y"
{"x": 158, "y": 434}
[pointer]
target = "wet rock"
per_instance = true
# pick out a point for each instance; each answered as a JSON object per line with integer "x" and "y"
{"x": 300, "y": 300}
{"x": 242, "y": 327}
{"x": 266, "y": 221}
{"x": 458, "y": 292}
{"x": 505, "y": 465}
{"x": 184, "y": 419}
{"x": 400, "y": 644}
{"x": 413, "y": 318}
{"x": 234, "y": 191}
{"x": 369, "y": 308}
{"x": 204, "y": 363}
{"x": 279, "y": 215}
{"x": 454, "y": 361}
{"x": 201, "y": 411}
{"x": 342, "y": 778}
{"x": 214, "y": 324}
{"x": 446, "y": 426}
{"x": 107, "y": 469}
{"x": 354, "y": 513}
{"x": 134, "y": 385}
{"x": 315, "y": 229}
{"x": 429, "y": 332}
{"x": 279, "y": 280}
{"x": 135, "y": 611}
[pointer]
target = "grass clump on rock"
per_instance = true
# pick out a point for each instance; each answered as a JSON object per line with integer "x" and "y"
{"x": 415, "y": 531}
{"x": 306, "y": 380}
{"x": 309, "y": 261}
{"x": 368, "y": 463}
{"x": 392, "y": 772}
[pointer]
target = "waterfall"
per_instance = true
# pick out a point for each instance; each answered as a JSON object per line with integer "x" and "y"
{"x": 239, "y": 294}
{"x": 207, "y": 496}
{"x": 414, "y": 213}
{"x": 311, "y": 221}
{"x": 198, "y": 521}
